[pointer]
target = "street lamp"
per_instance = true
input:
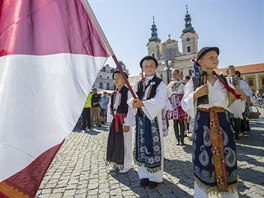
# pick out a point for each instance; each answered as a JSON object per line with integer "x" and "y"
{"x": 168, "y": 71}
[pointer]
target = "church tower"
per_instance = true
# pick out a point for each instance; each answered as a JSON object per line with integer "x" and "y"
{"x": 154, "y": 45}
{"x": 189, "y": 37}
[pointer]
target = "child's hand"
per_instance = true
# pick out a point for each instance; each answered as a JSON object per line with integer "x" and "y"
{"x": 201, "y": 91}
{"x": 126, "y": 128}
{"x": 137, "y": 103}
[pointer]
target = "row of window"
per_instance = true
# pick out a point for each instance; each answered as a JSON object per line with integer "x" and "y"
{"x": 108, "y": 86}
{"x": 251, "y": 81}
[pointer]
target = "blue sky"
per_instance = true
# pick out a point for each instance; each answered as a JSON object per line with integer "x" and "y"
{"x": 235, "y": 26}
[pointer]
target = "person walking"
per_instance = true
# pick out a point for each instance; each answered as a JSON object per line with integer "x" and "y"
{"x": 234, "y": 80}
{"x": 176, "y": 91}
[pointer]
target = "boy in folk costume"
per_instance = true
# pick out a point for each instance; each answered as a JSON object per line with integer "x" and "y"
{"x": 147, "y": 109}
{"x": 207, "y": 98}
{"x": 176, "y": 91}
{"x": 119, "y": 144}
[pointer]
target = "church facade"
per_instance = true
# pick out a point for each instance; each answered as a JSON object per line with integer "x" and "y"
{"x": 168, "y": 54}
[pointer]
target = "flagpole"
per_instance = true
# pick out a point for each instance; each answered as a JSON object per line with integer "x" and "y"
{"x": 89, "y": 10}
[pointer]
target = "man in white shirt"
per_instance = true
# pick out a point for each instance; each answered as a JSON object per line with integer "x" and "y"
{"x": 245, "y": 87}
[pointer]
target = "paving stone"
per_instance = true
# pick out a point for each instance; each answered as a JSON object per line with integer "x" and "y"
{"x": 79, "y": 169}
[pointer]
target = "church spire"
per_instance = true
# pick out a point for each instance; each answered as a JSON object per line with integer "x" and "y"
{"x": 188, "y": 25}
{"x": 154, "y": 33}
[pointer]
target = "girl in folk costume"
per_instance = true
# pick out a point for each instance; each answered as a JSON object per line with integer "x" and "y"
{"x": 119, "y": 143}
{"x": 147, "y": 109}
{"x": 176, "y": 91}
{"x": 207, "y": 98}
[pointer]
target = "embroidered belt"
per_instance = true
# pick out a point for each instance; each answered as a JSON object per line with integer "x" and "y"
{"x": 217, "y": 148}
{"x": 118, "y": 121}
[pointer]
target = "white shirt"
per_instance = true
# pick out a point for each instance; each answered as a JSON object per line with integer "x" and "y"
{"x": 152, "y": 107}
{"x": 245, "y": 87}
{"x": 129, "y": 120}
{"x": 176, "y": 87}
{"x": 217, "y": 98}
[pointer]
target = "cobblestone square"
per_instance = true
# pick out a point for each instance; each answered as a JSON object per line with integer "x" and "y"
{"x": 79, "y": 169}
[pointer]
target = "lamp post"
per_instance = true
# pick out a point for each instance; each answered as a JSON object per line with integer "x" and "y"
{"x": 168, "y": 71}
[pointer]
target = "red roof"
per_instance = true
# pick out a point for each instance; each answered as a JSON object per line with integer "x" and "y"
{"x": 246, "y": 69}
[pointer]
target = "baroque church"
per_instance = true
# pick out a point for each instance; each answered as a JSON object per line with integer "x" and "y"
{"x": 167, "y": 53}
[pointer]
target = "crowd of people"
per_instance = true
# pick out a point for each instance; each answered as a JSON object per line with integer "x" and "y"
{"x": 94, "y": 113}
{"x": 212, "y": 106}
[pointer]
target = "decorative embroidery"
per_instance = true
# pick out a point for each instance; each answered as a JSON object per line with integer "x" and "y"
{"x": 203, "y": 157}
{"x": 143, "y": 156}
{"x": 204, "y": 164}
{"x": 177, "y": 111}
{"x": 230, "y": 157}
{"x": 206, "y": 136}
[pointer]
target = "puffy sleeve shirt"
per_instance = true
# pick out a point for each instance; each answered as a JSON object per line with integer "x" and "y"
{"x": 217, "y": 98}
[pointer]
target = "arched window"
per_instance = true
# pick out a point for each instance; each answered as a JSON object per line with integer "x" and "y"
{"x": 153, "y": 55}
{"x": 161, "y": 76}
{"x": 188, "y": 49}
{"x": 100, "y": 85}
{"x": 108, "y": 86}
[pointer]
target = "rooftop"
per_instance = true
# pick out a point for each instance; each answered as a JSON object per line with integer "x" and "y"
{"x": 245, "y": 69}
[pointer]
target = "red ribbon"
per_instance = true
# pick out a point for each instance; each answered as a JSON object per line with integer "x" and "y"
{"x": 228, "y": 88}
{"x": 118, "y": 121}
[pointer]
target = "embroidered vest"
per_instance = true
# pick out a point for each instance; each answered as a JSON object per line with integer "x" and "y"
{"x": 123, "y": 106}
{"x": 197, "y": 82}
{"x": 152, "y": 91}
{"x": 201, "y": 80}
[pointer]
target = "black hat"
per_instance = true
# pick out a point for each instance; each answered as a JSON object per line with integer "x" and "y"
{"x": 148, "y": 58}
{"x": 117, "y": 71}
{"x": 204, "y": 50}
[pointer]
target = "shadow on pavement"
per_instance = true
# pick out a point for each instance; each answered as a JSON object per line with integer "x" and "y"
{"x": 242, "y": 188}
{"x": 250, "y": 160}
{"x": 181, "y": 170}
{"x": 165, "y": 189}
{"x": 187, "y": 148}
{"x": 246, "y": 174}
{"x": 93, "y": 131}
{"x": 244, "y": 149}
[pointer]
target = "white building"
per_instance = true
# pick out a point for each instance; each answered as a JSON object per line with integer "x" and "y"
{"x": 104, "y": 79}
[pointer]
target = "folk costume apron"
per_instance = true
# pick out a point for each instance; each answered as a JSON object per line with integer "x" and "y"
{"x": 148, "y": 144}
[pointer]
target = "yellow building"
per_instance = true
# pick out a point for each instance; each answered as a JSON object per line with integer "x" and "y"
{"x": 252, "y": 74}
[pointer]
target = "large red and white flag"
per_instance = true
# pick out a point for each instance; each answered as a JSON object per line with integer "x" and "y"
{"x": 50, "y": 54}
